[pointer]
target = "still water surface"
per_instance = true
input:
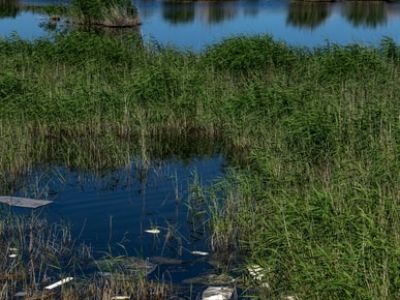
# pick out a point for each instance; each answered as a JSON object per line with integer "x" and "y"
{"x": 111, "y": 211}
{"x": 195, "y": 25}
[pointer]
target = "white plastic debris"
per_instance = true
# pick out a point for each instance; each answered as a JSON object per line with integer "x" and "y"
{"x": 20, "y": 294}
{"x": 12, "y": 255}
{"x": 258, "y": 274}
{"x": 218, "y": 293}
{"x": 153, "y": 231}
{"x": 59, "y": 283}
{"x": 23, "y": 202}
{"x": 120, "y": 298}
{"x": 256, "y": 271}
{"x": 13, "y": 249}
{"x": 200, "y": 253}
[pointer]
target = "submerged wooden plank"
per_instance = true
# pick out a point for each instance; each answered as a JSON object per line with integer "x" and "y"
{"x": 23, "y": 202}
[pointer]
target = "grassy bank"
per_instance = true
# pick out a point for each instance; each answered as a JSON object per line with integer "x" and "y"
{"x": 316, "y": 202}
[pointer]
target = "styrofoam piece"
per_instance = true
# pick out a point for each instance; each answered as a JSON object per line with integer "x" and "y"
{"x": 59, "y": 283}
{"x": 153, "y": 231}
{"x": 218, "y": 293}
{"x": 200, "y": 253}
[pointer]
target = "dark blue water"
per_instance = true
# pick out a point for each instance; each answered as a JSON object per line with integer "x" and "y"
{"x": 111, "y": 211}
{"x": 197, "y": 24}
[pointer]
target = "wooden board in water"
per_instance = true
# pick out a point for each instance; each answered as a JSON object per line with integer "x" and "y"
{"x": 23, "y": 202}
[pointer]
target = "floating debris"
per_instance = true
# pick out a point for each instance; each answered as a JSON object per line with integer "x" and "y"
{"x": 23, "y": 202}
{"x": 13, "y": 249}
{"x": 218, "y": 293}
{"x": 104, "y": 274}
{"x": 200, "y": 253}
{"x": 123, "y": 265}
{"x": 12, "y": 255}
{"x": 258, "y": 274}
{"x": 160, "y": 260}
{"x": 120, "y": 297}
{"x": 20, "y": 294}
{"x": 59, "y": 283}
{"x": 209, "y": 279}
{"x": 256, "y": 271}
{"x": 153, "y": 231}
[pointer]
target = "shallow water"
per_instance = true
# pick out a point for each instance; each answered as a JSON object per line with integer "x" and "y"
{"x": 195, "y": 25}
{"x": 114, "y": 208}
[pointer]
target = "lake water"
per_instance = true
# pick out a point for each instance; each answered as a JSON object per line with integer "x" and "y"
{"x": 195, "y": 25}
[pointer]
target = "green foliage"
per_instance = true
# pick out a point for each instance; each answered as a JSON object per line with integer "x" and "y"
{"x": 313, "y": 139}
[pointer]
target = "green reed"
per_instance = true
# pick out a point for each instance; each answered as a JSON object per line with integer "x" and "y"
{"x": 313, "y": 139}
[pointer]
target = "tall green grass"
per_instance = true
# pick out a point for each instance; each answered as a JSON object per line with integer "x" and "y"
{"x": 313, "y": 136}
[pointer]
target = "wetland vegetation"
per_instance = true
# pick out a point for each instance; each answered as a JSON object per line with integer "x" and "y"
{"x": 312, "y": 137}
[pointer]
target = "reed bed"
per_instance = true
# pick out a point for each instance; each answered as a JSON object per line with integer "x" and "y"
{"x": 313, "y": 138}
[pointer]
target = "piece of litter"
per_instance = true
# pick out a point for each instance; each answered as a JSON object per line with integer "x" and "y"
{"x": 104, "y": 274}
{"x": 20, "y": 294}
{"x": 120, "y": 298}
{"x": 256, "y": 271}
{"x": 59, "y": 283}
{"x": 12, "y": 256}
{"x": 200, "y": 253}
{"x": 218, "y": 293}
{"x": 153, "y": 231}
{"x": 258, "y": 274}
{"x": 23, "y": 202}
{"x": 13, "y": 249}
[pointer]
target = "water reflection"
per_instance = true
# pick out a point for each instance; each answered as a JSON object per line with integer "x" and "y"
{"x": 308, "y": 14}
{"x": 196, "y": 24}
{"x": 365, "y": 13}
{"x": 218, "y": 12}
{"x": 182, "y": 13}
{"x": 9, "y": 8}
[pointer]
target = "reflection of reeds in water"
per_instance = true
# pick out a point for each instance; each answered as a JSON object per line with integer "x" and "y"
{"x": 218, "y": 12}
{"x": 178, "y": 13}
{"x": 21, "y": 150}
{"x": 9, "y": 8}
{"x": 210, "y": 12}
{"x": 308, "y": 14}
{"x": 365, "y": 13}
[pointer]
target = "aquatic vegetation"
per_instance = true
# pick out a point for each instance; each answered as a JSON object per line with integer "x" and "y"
{"x": 44, "y": 262}
{"x": 312, "y": 136}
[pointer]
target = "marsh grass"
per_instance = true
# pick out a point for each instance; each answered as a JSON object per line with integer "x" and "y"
{"x": 313, "y": 139}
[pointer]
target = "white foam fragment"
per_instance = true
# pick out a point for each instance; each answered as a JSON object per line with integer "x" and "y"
{"x": 153, "y": 231}
{"x": 218, "y": 293}
{"x": 256, "y": 271}
{"x": 200, "y": 253}
{"x": 258, "y": 274}
{"x": 59, "y": 283}
{"x": 13, "y": 255}
{"x": 120, "y": 297}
